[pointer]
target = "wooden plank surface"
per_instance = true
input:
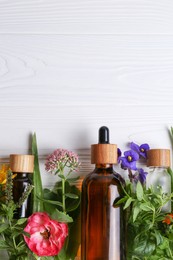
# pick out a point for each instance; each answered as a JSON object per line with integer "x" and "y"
{"x": 58, "y": 70}
{"x": 69, "y": 67}
{"x": 87, "y": 16}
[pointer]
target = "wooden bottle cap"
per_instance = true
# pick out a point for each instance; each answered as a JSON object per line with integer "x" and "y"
{"x": 104, "y": 153}
{"x": 158, "y": 158}
{"x": 22, "y": 163}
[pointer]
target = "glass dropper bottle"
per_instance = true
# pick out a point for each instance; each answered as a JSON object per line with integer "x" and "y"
{"x": 22, "y": 165}
{"x": 101, "y": 222}
{"x": 158, "y": 177}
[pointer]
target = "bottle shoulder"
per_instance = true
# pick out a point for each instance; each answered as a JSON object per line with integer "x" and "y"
{"x": 158, "y": 172}
{"x": 101, "y": 177}
{"x": 20, "y": 177}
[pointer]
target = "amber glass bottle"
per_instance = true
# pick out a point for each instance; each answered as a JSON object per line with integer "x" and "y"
{"x": 23, "y": 166}
{"x": 101, "y": 222}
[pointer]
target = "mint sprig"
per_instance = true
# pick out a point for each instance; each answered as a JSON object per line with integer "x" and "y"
{"x": 147, "y": 236}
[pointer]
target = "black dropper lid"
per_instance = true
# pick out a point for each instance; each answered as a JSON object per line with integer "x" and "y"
{"x": 104, "y": 135}
{"x": 103, "y": 152}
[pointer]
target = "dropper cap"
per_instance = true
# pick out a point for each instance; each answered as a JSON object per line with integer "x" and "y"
{"x": 104, "y": 152}
{"x": 158, "y": 158}
{"x": 22, "y": 163}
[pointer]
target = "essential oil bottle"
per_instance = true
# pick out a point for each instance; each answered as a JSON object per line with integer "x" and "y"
{"x": 22, "y": 166}
{"x": 101, "y": 222}
{"x": 158, "y": 162}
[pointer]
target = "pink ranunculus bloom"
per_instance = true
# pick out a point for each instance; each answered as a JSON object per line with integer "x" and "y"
{"x": 47, "y": 236}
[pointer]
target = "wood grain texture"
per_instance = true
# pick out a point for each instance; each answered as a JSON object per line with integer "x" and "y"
{"x": 69, "y": 67}
{"x": 87, "y": 16}
{"x": 86, "y": 70}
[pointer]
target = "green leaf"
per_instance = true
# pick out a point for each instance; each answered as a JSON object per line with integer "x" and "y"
{"x": 74, "y": 238}
{"x": 61, "y": 216}
{"x": 139, "y": 191}
{"x": 128, "y": 202}
{"x": 71, "y": 180}
{"x": 62, "y": 176}
{"x": 3, "y": 245}
{"x": 26, "y": 234}
{"x": 145, "y": 207}
{"x": 118, "y": 201}
{"x": 52, "y": 202}
{"x": 61, "y": 255}
{"x": 71, "y": 195}
{"x": 144, "y": 246}
{"x": 135, "y": 213}
{"x": 165, "y": 244}
{"x": 170, "y": 172}
{"x": 38, "y": 189}
{"x": 3, "y": 227}
{"x": 21, "y": 221}
{"x": 75, "y": 205}
{"x": 158, "y": 237}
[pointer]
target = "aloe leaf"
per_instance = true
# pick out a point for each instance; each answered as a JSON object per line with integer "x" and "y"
{"x": 38, "y": 189}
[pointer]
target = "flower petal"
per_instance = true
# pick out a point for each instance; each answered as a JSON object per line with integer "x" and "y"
{"x": 134, "y": 147}
{"x": 47, "y": 236}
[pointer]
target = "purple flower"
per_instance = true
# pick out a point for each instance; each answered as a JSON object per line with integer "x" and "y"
{"x": 119, "y": 154}
{"x": 129, "y": 160}
{"x": 142, "y": 176}
{"x": 141, "y": 150}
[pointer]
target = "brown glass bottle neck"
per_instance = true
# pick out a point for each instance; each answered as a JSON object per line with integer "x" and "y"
{"x": 21, "y": 174}
{"x": 104, "y": 166}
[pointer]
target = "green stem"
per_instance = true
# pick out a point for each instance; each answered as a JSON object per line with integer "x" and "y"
{"x": 63, "y": 180}
{"x": 130, "y": 175}
{"x": 14, "y": 243}
{"x": 153, "y": 217}
{"x": 63, "y": 196}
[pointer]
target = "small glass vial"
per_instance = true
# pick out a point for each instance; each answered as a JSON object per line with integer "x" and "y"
{"x": 101, "y": 222}
{"x": 158, "y": 162}
{"x": 23, "y": 166}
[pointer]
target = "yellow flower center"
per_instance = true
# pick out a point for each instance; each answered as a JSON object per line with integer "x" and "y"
{"x": 129, "y": 158}
{"x": 142, "y": 150}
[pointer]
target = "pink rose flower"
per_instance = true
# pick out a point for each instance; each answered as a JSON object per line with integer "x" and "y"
{"x": 47, "y": 236}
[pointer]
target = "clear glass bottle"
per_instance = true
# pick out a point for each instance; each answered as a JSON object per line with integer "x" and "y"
{"x": 101, "y": 222}
{"x": 23, "y": 166}
{"x": 158, "y": 162}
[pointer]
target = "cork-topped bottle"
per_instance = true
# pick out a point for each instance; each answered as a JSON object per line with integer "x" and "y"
{"x": 101, "y": 222}
{"x": 22, "y": 166}
{"x": 158, "y": 162}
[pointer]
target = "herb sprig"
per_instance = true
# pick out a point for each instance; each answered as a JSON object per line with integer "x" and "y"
{"x": 11, "y": 229}
{"x": 147, "y": 237}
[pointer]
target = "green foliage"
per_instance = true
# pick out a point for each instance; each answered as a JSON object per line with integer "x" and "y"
{"x": 54, "y": 207}
{"x": 11, "y": 230}
{"x": 62, "y": 203}
{"x": 147, "y": 236}
{"x": 38, "y": 190}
